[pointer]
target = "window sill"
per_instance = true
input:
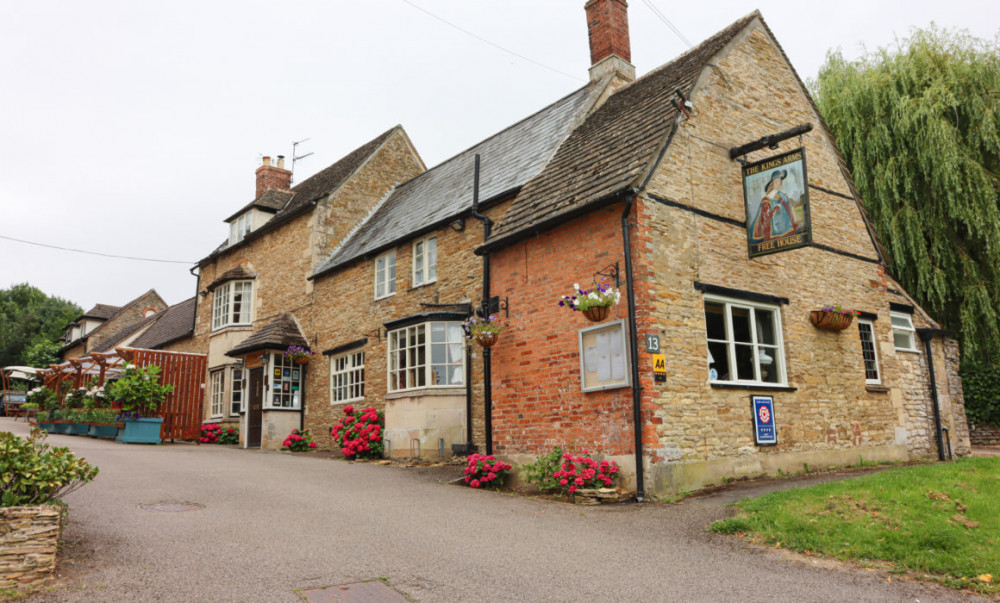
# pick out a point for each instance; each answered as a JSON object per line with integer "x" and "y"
{"x": 345, "y": 402}
{"x": 427, "y": 391}
{"x": 878, "y": 389}
{"x": 227, "y": 328}
{"x": 422, "y": 285}
{"x": 906, "y": 351}
{"x": 393, "y": 294}
{"x": 604, "y": 388}
{"x": 754, "y": 387}
{"x": 281, "y": 409}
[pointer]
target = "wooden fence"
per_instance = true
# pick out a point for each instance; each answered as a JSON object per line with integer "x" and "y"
{"x": 182, "y": 410}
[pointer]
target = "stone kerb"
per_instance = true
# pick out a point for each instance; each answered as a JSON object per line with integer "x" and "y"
{"x": 28, "y": 540}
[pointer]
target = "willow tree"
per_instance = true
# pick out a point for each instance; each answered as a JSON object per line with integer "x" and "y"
{"x": 919, "y": 126}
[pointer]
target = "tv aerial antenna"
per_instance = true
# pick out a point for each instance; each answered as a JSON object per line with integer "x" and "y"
{"x": 295, "y": 156}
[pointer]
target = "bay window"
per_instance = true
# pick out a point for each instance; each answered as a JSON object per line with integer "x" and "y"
{"x": 286, "y": 383}
{"x": 744, "y": 342}
{"x": 430, "y": 354}
{"x": 233, "y": 303}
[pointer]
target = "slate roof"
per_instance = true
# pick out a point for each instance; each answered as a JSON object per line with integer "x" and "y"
{"x": 240, "y": 272}
{"x": 101, "y": 311}
{"x": 614, "y": 149}
{"x": 176, "y": 322}
{"x": 271, "y": 200}
{"x": 315, "y": 187}
{"x": 276, "y": 335}
{"x": 508, "y": 160}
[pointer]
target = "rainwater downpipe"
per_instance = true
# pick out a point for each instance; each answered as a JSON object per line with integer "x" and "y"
{"x": 640, "y": 487}
{"x": 487, "y": 359}
{"x": 927, "y": 335}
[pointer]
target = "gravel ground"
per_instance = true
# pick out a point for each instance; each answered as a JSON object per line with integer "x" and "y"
{"x": 274, "y": 523}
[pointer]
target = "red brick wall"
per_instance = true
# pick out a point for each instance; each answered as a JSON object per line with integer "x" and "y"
{"x": 537, "y": 397}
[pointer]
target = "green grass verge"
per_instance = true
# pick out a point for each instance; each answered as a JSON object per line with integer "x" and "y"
{"x": 941, "y": 519}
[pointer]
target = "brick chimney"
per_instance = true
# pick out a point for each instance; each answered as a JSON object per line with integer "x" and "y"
{"x": 607, "y": 27}
{"x": 273, "y": 176}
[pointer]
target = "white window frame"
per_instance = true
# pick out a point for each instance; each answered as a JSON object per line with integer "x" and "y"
{"x": 347, "y": 376}
{"x": 388, "y": 260}
{"x": 278, "y": 361}
{"x": 414, "y": 368}
{"x": 223, "y": 306}
{"x": 779, "y": 345}
{"x": 240, "y": 228}
{"x": 427, "y": 258}
{"x": 237, "y": 391}
{"x": 907, "y": 329}
{"x": 218, "y": 393}
{"x": 617, "y": 327}
{"x": 874, "y": 343}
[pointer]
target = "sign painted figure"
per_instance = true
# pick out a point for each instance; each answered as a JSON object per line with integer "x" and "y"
{"x": 776, "y": 194}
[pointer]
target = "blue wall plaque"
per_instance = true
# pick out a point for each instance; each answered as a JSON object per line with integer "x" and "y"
{"x": 765, "y": 433}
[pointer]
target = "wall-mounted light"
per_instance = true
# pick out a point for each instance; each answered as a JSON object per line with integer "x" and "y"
{"x": 458, "y": 225}
{"x": 203, "y": 293}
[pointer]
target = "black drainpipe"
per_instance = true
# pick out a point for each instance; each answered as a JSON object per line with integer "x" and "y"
{"x": 487, "y": 364}
{"x": 640, "y": 487}
{"x": 926, "y": 336}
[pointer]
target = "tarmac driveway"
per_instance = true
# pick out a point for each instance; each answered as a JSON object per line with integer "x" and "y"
{"x": 272, "y": 523}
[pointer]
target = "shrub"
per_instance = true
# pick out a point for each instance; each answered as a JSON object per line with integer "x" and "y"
{"x": 981, "y": 387}
{"x": 32, "y": 473}
{"x": 44, "y": 397}
{"x": 541, "y": 472}
{"x": 584, "y": 472}
{"x": 139, "y": 391}
{"x": 484, "y": 470}
{"x": 210, "y": 433}
{"x": 299, "y": 441}
{"x": 359, "y": 433}
{"x": 229, "y": 435}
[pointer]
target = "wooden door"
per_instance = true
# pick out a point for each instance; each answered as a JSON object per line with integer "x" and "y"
{"x": 255, "y": 411}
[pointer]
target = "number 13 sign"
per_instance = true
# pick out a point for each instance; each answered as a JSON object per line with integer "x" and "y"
{"x": 765, "y": 433}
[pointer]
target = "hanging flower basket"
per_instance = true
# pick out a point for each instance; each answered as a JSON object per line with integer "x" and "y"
{"x": 597, "y": 313}
{"x": 298, "y": 354}
{"x": 302, "y": 360}
{"x": 829, "y": 320}
{"x": 486, "y": 339}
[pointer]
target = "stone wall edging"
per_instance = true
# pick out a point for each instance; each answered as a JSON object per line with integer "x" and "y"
{"x": 29, "y": 538}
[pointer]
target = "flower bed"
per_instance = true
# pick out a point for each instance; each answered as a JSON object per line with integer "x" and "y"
{"x": 359, "y": 433}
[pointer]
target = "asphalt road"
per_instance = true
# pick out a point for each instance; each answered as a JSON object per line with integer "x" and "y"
{"x": 273, "y": 523}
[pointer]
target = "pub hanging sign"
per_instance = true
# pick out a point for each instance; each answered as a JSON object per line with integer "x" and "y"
{"x": 776, "y": 195}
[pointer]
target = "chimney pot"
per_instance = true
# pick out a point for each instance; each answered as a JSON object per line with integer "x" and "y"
{"x": 281, "y": 162}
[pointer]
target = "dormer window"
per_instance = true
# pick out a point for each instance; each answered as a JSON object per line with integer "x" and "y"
{"x": 240, "y": 228}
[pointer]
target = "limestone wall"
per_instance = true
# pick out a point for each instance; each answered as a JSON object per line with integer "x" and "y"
{"x": 29, "y": 537}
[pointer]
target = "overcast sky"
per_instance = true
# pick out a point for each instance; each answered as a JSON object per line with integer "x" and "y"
{"x": 134, "y": 128}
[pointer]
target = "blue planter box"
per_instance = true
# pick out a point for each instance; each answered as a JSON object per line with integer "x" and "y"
{"x": 103, "y": 431}
{"x": 46, "y": 427}
{"x": 141, "y": 431}
{"x": 78, "y": 429}
{"x": 59, "y": 428}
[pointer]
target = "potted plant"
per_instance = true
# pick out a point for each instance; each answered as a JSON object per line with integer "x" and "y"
{"x": 45, "y": 399}
{"x": 33, "y": 477}
{"x": 832, "y": 318}
{"x": 483, "y": 330}
{"x": 140, "y": 394}
{"x": 103, "y": 422}
{"x": 595, "y": 304}
{"x": 299, "y": 354}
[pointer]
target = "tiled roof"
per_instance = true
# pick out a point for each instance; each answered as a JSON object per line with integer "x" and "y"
{"x": 101, "y": 311}
{"x": 233, "y": 274}
{"x": 614, "y": 149}
{"x": 271, "y": 200}
{"x": 275, "y": 335}
{"x": 176, "y": 322}
{"x": 508, "y": 160}
{"x": 313, "y": 188}
{"x": 123, "y": 333}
